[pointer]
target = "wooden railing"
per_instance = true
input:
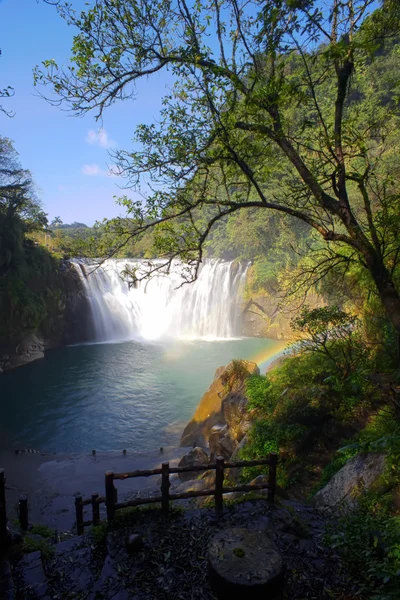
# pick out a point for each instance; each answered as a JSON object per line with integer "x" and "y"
{"x": 111, "y": 495}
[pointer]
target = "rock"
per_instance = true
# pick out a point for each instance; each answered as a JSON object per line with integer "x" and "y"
{"x": 216, "y": 434}
{"x": 134, "y": 543}
{"x": 6, "y": 581}
{"x": 209, "y": 478}
{"x": 244, "y": 563}
{"x": 69, "y": 545}
{"x": 259, "y": 480}
{"x": 358, "y": 474}
{"x": 209, "y": 410}
{"x": 195, "y": 457}
{"x": 227, "y": 445}
{"x": 235, "y": 473}
{"x": 264, "y": 315}
{"x": 29, "y": 349}
{"x": 233, "y": 495}
{"x": 236, "y": 414}
{"x": 32, "y": 575}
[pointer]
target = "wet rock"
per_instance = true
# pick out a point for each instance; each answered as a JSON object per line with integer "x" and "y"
{"x": 195, "y": 457}
{"x": 357, "y": 475}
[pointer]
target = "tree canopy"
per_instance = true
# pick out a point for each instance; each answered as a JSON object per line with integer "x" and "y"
{"x": 20, "y": 211}
{"x": 270, "y": 109}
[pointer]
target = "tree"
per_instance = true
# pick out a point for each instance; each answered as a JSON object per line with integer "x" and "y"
{"x": 261, "y": 115}
{"x": 334, "y": 334}
{"x": 56, "y": 222}
{"x": 20, "y": 211}
{"x": 6, "y": 92}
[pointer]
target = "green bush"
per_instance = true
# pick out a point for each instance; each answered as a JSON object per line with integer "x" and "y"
{"x": 369, "y": 539}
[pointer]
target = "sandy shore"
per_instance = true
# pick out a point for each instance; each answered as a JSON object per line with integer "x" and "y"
{"x": 51, "y": 481}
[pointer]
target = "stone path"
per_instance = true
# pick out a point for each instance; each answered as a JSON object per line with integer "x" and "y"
{"x": 172, "y": 564}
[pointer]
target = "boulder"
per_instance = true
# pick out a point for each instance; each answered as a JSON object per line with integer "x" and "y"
{"x": 195, "y": 457}
{"x": 358, "y": 474}
{"x": 227, "y": 380}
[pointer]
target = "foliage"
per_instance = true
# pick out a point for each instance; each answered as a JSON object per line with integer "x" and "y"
{"x": 20, "y": 212}
{"x": 234, "y": 375}
{"x": 34, "y": 545}
{"x": 42, "y": 530}
{"x": 333, "y": 333}
{"x": 295, "y": 403}
{"x": 98, "y": 535}
{"x": 286, "y": 112}
{"x": 369, "y": 538}
{"x": 30, "y": 285}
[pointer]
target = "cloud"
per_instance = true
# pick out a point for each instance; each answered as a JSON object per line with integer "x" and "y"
{"x": 92, "y": 170}
{"x": 99, "y": 138}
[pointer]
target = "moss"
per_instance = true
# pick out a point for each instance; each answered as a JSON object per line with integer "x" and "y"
{"x": 34, "y": 545}
{"x": 43, "y": 530}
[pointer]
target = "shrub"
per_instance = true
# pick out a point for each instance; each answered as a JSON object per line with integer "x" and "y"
{"x": 333, "y": 333}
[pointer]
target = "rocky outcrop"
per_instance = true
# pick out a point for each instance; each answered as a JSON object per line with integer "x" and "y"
{"x": 195, "y": 457}
{"x": 222, "y": 418}
{"x": 264, "y": 315}
{"x": 357, "y": 475}
{"x": 67, "y": 320}
{"x": 29, "y": 349}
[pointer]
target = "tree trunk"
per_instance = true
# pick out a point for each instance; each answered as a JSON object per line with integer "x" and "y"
{"x": 388, "y": 293}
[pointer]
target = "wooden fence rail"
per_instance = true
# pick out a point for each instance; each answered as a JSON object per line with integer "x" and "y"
{"x": 111, "y": 495}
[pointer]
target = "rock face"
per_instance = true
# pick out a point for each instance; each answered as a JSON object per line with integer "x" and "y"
{"x": 358, "y": 474}
{"x": 264, "y": 317}
{"x": 222, "y": 418}
{"x": 195, "y": 457}
{"x": 29, "y": 349}
{"x": 68, "y": 320}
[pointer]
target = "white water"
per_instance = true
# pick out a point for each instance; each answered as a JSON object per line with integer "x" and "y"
{"x": 159, "y": 307}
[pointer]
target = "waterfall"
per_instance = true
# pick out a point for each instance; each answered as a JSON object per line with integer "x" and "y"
{"x": 160, "y": 307}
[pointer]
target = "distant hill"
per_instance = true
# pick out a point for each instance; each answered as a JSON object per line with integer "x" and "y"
{"x": 74, "y": 225}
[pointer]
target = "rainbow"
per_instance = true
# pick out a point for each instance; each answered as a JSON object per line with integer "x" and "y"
{"x": 263, "y": 357}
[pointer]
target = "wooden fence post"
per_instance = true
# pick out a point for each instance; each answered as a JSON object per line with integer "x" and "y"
{"x": 165, "y": 484}
{"x": 79, "y": 515}
{"x": 3, "y": 511}
{"x": 95, "y": 510}
{"x": 110, "y": 495}
{"x": 219, "y": 483}
{"x": 23, "y": 513}
{"x": 273, "y": 457}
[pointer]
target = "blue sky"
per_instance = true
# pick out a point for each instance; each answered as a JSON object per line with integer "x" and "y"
{"x": 68, "y": 156}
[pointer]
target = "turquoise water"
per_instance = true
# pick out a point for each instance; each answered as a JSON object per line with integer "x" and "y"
{"x": 113, "y": 396}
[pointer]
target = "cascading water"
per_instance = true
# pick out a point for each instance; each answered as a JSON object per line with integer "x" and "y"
{"x": 160, "y": 306}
